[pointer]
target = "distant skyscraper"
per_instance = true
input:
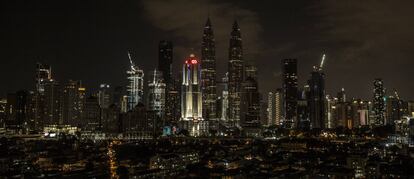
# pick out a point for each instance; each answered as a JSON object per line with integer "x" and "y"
{"x": 395, "y": 109}
{"x": 104, "y": 96}
{"x": 156, "y": 95}
{"x": 173, "y": 102}
{"x": 235, "y": 69}
{"x": 43, "y": 74}
{"x": 344, "y": 115}
{"x": 225, "y": 99}
{"x": 208, "y": 72}
{"x": 290, "y": 92}
{"x": 17, "y": 110}
{"x": 330, "y": 111}
{"x": 52, "y": 103}
{"x": 135, "y": 88}
{"x": 72, "y": 102}
{"x": 191, "y": 98}
{"x": 165, "y": 59}
{"x": 275, "y": 107}
{"x": 379, "y": 102}
{"x": 250, "y": 102}
{"x": 303, "y": 121}
{"x": 91, "y": 119}
{"x": 316, "y": 98}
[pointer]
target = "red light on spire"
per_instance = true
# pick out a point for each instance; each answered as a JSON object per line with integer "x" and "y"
{"x": 194, "y": 61}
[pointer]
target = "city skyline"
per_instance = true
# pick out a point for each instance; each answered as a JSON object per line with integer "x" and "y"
{"x": 206, "y": 89}
{"x": 30, "y": 36}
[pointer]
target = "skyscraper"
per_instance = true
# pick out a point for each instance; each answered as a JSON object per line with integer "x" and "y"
{"x": 330, "y": 106}
{"x": 52, "y": 103}
{"x": 72, "y": 102}
{"x": 135, "y": 88}
{"x": 235, "y": 69}
{"x": 379, "y": 102}
{"x": 250, "y": 102}
{"x": 156, "y": 95}
{"x": 165, "y": 57}
{"x": 191, "y": 98}
{"x": 224, "y": 111}
{"x": 302, "y": 111}
{"x": 275, "y": 107}
{"x": 396, "y": 108}
{"x": 104, "y": 96}
{"x": 16, "y": 110}
{"x": 316, "y": 98}
{"x": 290, "y": 92}
{"x": 172, "y": 86}
{"x": 208, "y": 72}
{"x": 43, "y": 74}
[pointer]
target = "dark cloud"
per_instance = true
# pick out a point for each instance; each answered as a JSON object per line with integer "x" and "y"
{"x": 88, "y": 40}
{"x": 185, "y": 19}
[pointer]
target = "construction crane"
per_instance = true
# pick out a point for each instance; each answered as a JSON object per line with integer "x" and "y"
{"x": 130, "y": 61}
{"x": 323, "y": 60}
{"x": 319, "y": 68}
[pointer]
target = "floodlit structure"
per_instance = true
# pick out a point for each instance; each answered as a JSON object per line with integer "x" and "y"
{"x": 191, "y": 98}
{"x": 135, "y": 88}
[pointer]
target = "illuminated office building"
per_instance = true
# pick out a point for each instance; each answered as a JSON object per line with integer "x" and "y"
{"x": 208, "y": 72}
{"x": 156, "y": 95}
{"x": 73, "y": 96}
{"x": 316, "y": 98}
{"x": 43, "y": 74}
{"x": 250, "y": 102}
{"x": 135, "y": 88}
{"x": 290, "y": 92}
{"x": 379, "y": 102}
{"x": 191, "y": 98}
{"x": 104, "y": 96}
{"x": 235, "y": 70}
{"x": 224, "y": 111}
{"x": 275, "y": 107}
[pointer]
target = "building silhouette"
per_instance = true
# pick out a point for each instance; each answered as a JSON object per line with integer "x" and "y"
{"x": 208, "y": 72}
{"x": 290, "y": 92}
{"x": 235, "y": 70}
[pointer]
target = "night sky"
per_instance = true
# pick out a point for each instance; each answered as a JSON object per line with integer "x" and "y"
{"x": 88, "y": 40}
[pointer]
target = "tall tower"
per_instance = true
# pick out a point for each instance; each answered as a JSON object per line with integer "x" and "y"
{"x": 250, "y": 103}
{"x": 290, "y": 92}
{"x": 156, "y": 95}
{"x": 165, "y": 57}
{"x": 208, "y": 72}
{"x": 191, "y": 98}
{"x": 235, "y": 69}
{"x": 72, "y": 102}
{"x": 104, "y": 96}
{"x": 275, "y": 107}
{"x": 316, "y": 98}
{"x": 43, "y": 74}
{"x": 135, "y": 88}
{"x": 379, "y": 102}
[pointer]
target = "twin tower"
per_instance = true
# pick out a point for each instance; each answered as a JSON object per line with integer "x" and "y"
{"x": 199, "y": 85}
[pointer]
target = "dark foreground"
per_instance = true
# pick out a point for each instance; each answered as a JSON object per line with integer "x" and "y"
{"x": 288, "y": 157}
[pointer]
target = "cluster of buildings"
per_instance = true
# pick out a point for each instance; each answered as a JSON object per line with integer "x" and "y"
{"x": 198, "y": 102}
{"x": 309, "y": 107}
